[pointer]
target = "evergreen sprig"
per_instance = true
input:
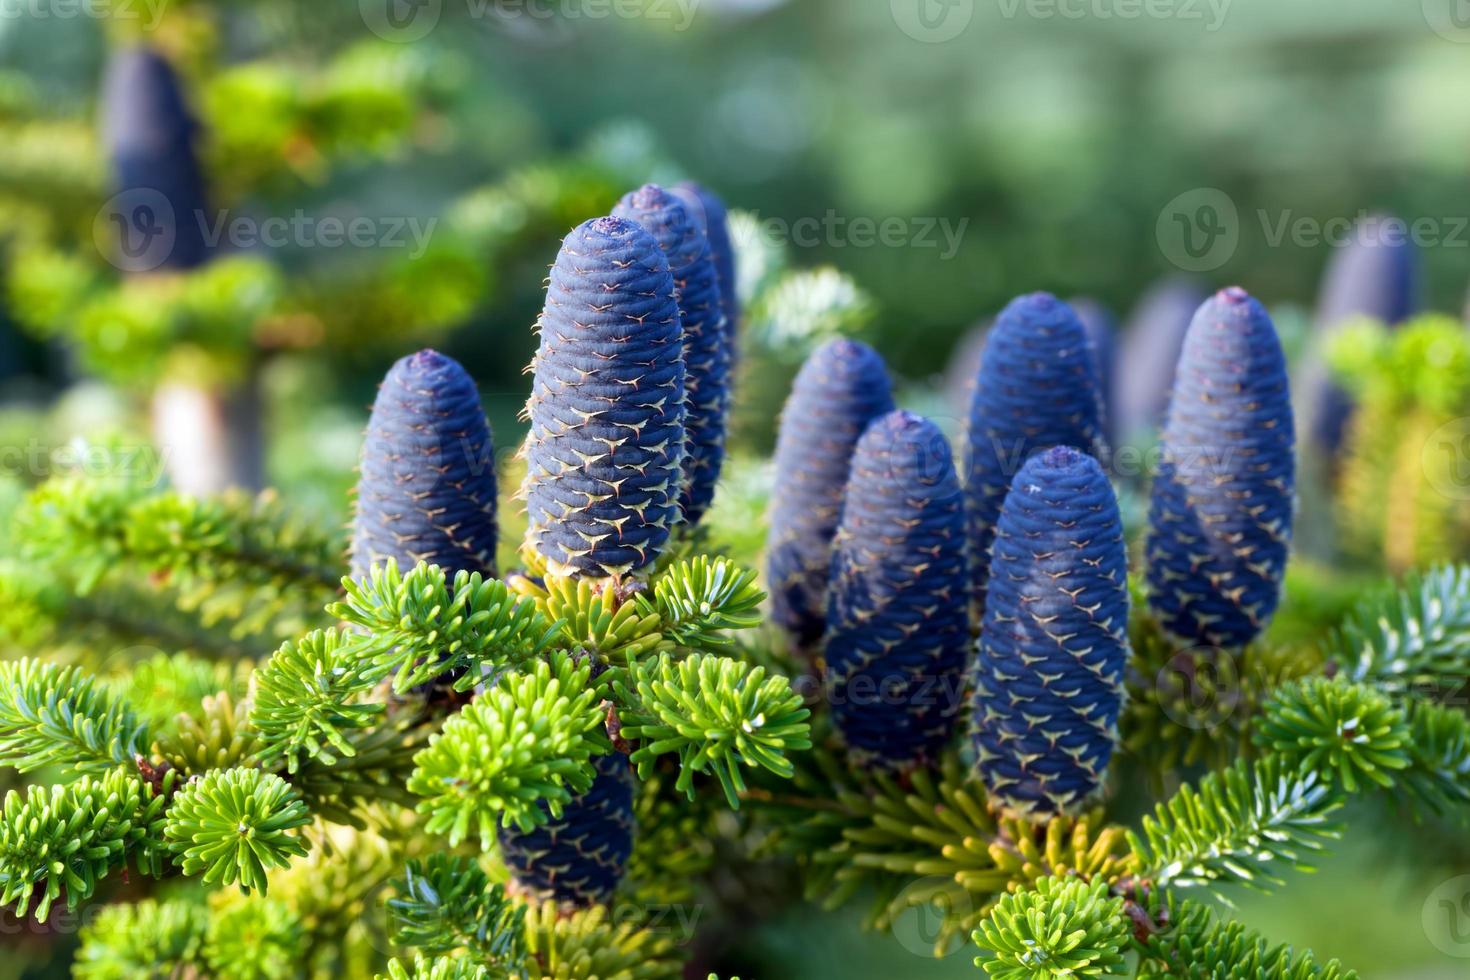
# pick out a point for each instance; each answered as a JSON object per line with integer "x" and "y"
{"x": 591, "y": 943}
{"x": 60, "y": 841}
{"x": 418, "y": 626}
{"x": 53, "y": 715}
{"x": 516, "y": 755}
{"x": 698, "y": 599}
{"x": 717, "y": 714}
{"x": 1198, "y": 947}
{"x": 1438, "y": 777}
{"x": 1238, "y": 825}
{"x": 1416, "y": 637}
{"x": 1063, "y": 927}
{"x": 437, "y": 968}
{"x": 1348, "y": 730}
{"x": 308, "y": 697}
{"x": 234, "y": 825}
{"x": 594, "y": 617}
{"x": 446, "y": 903}
{"x": 147, "y": 940}
{"x": 260, "y": 939}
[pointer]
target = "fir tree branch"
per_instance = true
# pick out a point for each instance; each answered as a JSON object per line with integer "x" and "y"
{"x": 1348, "y": 730}
{"x": 596, "y": 618}
{"x": 699, "y": 599}
{"x": 717, "y": 714}
{"x": 419, "y": 627}
{"x": 587, "y": 943}
{"x": 1199, "y": 948}
{"x": 516, "y": 755}
{"x": 308, "y": 697}
{"x": 1236, "y": 826}
{"x": 62, "y": 840}
{"x": 438, "y": 968}
{"x": 142, "y": 939}
{"x": 1414, "y": 638}
{"x": 234, "y": 825}
{"x": 52, "y": 715}
{"x": 448, "y": 903}
{"x": 1061, "y": 927}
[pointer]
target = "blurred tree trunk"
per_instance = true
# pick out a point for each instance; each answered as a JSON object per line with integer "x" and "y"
{"x": 210, "y": 438}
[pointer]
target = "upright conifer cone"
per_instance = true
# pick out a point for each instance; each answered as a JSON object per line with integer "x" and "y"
{"x": 607, "y": 405}
{"x": 1220, "y": 521}
{"x": 706, "y": 346}
{"x": 426, "y": 488}
{"x": 715, "y": 220}
{"x": 840, "y": 389}
{"x": 898, "y": 627}
{"x": 578, "y": 859}
{"x": 1037, "y": 388}
{"x": 1054, "y": 642}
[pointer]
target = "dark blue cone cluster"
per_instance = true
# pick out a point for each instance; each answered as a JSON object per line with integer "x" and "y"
{"x": 715, "y": 220}
{"x": 607, "y": 405}
{"x": 426, "y": 489}
{"x": 898, "y": 625}
{"x": 1220, "y": 521}
{"x": 1152, "y": 341}
{"x": 150, "y": 138}
{"x": 578, "y": 859}
{"x": 1037, "y": 388}
{"x": 706, "y": 346}
{"x": 840, "y": 389}
{"x": 1375, "y": 275}
{"x": 1054, "y": 642}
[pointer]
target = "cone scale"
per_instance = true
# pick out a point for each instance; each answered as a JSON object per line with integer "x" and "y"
{"x": 1053, "y": 646}
{"x": 898, "y": 628}
{"x": 842, "y": 387}
{"x": 1221, "y": 514}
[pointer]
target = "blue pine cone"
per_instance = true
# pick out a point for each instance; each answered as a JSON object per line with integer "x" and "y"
{"x": 706, "y": 344}
{"x": 1220, "y": 520}
{"x": 426, "y": 487}
{"x": 842, "y": 387}
{"x": 1054, "y": 641}
{"x": 716, "y": 223}
{"x": 579, "y": 859}
{"x": 150, "y": 137}
{"x": 1037, "y": 388}
{"x": 898, "y": 625}
{"x": 607, "y": 405}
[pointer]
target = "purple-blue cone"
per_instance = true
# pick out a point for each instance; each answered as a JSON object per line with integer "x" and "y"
{"x": 715, "y": 220}
{"x": 578, "y": 859}
{"x": 898, "y": 625}
{"x": 1054, "y": 642}
{"x": 426, "y": 488}
{"x": 706, "y": 346}
{"x": 1037, "y": 388}
{"x": 607, "y": 405}
{"x": 1151, "y": 343}
{"x": 842, "y": 387}
{"x": 1374, "y": 276}
{"x": 150, "y": 138}
{"x": 1220, "y": 520}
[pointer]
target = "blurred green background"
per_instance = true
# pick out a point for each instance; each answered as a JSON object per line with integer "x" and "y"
{"x": 1051, "y": 137}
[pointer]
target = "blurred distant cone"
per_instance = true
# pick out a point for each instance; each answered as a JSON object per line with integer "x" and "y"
{"x": 1152, "y": 340}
